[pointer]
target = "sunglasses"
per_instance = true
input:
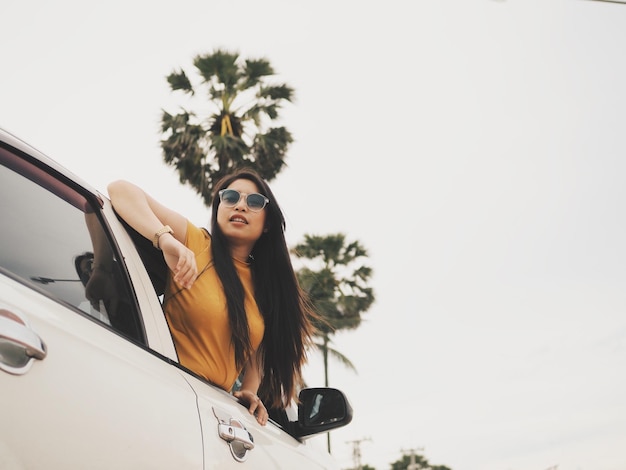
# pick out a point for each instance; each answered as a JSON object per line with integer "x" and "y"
{"x": 255, "y": 201}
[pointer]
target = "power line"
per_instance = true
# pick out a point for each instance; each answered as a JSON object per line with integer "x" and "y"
{"x": 356, "y": 451}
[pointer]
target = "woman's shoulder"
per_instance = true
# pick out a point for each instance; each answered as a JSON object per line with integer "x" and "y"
{"x": 197, "y": 237}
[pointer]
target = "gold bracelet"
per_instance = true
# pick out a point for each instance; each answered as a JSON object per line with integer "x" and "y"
{"x": 165, "y": 229}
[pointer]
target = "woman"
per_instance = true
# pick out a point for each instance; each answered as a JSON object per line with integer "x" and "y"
{"x": 233, "y": 303}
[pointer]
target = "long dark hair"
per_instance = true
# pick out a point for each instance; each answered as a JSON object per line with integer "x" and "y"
{"x": 285, "y": 308}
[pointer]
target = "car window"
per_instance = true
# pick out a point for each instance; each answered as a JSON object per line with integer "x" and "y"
{"x": 53, "y": 239}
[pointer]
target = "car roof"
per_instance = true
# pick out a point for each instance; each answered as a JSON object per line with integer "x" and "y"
{"x": 43, "y": 161}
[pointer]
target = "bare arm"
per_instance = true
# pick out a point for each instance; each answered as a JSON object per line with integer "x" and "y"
{"x": 249, "y": 388}
{"x": 148, "y": 216}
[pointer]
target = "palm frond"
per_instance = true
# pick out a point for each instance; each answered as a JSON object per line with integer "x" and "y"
{"x": 338, "y": 356}
{"x": 180, "y": 81}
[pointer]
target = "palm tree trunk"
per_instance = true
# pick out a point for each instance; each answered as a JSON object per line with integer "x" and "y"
{"x": 325, "y": 353}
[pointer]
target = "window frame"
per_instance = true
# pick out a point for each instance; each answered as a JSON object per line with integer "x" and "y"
{"x": 88, "y": 202}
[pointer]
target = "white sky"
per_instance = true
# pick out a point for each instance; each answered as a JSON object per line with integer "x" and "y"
{"x": 475, "y": 147}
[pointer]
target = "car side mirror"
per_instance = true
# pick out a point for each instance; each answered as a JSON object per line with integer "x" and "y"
{"x": 321, "y": 410}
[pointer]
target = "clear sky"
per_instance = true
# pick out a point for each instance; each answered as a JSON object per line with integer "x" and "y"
{"x": 476, "y": 148}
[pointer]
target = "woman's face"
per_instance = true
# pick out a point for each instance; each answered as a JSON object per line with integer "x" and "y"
{"x": 240, "y": 225}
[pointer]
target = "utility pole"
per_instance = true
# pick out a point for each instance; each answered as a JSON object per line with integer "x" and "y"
{"x": 356, "y": 451}
{"x": 412, "y": 464}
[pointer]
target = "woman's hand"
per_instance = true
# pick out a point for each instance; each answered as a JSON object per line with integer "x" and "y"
{"x": 255, "y": 405}
{"x": 180, "y": 259}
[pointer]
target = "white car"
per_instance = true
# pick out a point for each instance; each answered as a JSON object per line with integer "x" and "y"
{"x": 89, "y": 377}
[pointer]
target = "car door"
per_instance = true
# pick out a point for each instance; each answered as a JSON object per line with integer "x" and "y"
{"x": 80, "y": 385}
{"x": 233, "y": 439}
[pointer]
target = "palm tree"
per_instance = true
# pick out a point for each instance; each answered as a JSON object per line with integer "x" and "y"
{"x": 235, "y": 130}
{"x": 337, "y": 287}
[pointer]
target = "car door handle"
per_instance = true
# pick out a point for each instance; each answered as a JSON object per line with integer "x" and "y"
{"x": 233, "y": 433}
{"x": 19, "y": 344}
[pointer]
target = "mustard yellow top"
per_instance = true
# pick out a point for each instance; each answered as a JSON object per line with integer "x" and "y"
{"x": 198, "y": 317}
